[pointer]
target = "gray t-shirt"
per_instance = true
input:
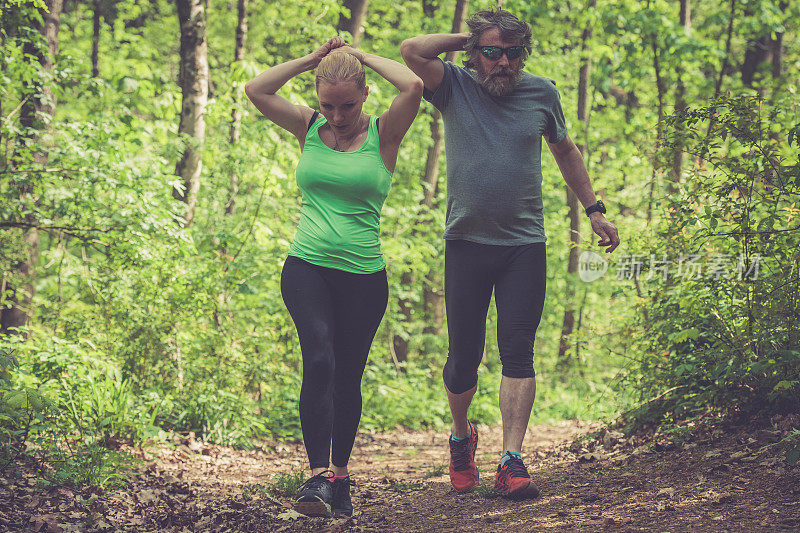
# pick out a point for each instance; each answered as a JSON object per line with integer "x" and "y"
{"x": 494, "y": 147}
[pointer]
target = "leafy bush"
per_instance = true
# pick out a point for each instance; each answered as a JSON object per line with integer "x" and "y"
{"x": 728, "y": 336}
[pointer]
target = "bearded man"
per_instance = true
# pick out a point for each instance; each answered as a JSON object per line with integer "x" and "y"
{"x": 495, "y": 115}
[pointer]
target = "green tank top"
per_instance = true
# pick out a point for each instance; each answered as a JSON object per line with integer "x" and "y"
{"x": 343, "y": 193}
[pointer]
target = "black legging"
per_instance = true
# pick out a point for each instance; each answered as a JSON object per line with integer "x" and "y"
{"x": 518, "y": 276}
{"x": 336, "y": 314}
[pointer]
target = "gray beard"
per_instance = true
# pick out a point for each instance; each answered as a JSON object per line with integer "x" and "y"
{"x": 499, "y": 86}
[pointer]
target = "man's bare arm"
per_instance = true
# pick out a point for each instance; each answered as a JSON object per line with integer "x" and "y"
{"x": 572, "y": 167}
{"x": 421, "y": 54}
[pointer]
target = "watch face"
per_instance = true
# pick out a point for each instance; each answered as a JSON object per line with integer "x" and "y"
{"x": 599, "y": 206}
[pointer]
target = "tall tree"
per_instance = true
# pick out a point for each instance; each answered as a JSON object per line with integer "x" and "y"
{"x": 432, "y": 297}
{"x": 193, "y": 80}
{"x": 353, "y": 23}
{"x": 660, "y": 91}
{"x": 680, "y": 99}
{"x": 96, "y": 16}
{"x": 568, "y": 324}
{"x": 722, "y": 69}
{"x": 233, "y": 138}
{"x": 38, "y": 108}
{"x": 236, "y": 113}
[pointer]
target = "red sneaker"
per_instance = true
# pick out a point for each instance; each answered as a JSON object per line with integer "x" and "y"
{"x": 463, "y": 472}
{"x": 513, "y": 481}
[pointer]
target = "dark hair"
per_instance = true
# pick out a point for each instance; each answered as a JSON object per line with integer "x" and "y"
{"x": 511, "y": 29}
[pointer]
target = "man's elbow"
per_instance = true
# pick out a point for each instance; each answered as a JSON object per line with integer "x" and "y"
{"x": 407, "y": 48}
{"x": 248, "y": 89}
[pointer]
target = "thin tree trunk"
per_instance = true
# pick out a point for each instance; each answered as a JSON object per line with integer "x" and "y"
{"x": 223, "y": 299}
{"x": 193, "y": 80}
{"x": 353, "y": 23}
{"x": 712, "y": 122}
{"x": 432, "y": 295}
{"x": 236, "y": 113}
{"x": 776, "y": 55}
{"x": 757, "y": 52}
{"x": 40, "y": 102}
{"x": 568, "y": 323}
{"x": 95, "y": 38}
{"x": 659, "y": 127}
{"x": 680, "y": 103}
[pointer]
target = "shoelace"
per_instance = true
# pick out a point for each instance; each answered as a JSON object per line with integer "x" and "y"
{"x": 460, "y": 454}
{"x": 314, "y": 481}
{"x": 516, "y": 468}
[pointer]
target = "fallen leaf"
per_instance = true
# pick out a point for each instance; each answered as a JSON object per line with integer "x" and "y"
{"x": 146, "y": 496}
{"x": 290, "y": 514}
{"x": 668, "y": 493}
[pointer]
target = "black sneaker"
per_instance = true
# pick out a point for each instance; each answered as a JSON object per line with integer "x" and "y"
{"x": 341, "y": 505}
{"x": 315, "y": 495}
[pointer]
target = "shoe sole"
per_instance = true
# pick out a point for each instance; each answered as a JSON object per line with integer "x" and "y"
{"x": 529, "y": 491}
{"x": 314, "y": 508}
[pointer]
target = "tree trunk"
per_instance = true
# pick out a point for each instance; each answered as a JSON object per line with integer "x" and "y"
{"x": 661, "y": 90}
{"x": 353, "y": 23}
{"x": 712, "y": 122}
{"x": 401, "y": 344}
{"x": 236, "y": 113}
{"x": 776, "y": 55}
{"x": 95, "y": 38}
{"x": 193, "y": 80}
{"x": 40, "y": 102}
{"x": 432, "y": 295}
{"x": 223, "y": 298}
{"x": 568, "y": 324}
{"x": 756, "y": 53}
{"x": 680, "y": 103}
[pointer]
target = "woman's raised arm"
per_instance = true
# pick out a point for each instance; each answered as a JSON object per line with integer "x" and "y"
{"x": 261, "y": 90}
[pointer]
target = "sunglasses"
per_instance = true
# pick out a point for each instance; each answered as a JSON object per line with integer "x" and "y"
{"x": 495, "y": 52}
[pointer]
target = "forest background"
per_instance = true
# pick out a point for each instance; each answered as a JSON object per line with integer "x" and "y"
{"x": 146, "y": 209}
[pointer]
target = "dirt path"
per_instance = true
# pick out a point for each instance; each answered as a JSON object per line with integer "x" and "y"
{"x": 716, "y": 480}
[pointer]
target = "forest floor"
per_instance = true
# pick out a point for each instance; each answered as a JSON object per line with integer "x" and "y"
{"x": 711, "y": 478}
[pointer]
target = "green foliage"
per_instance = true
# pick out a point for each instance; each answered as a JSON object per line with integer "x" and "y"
{"x": 728, "y": 337}
{"x": 287, "y": 483}
{"x": 435, "y": 471}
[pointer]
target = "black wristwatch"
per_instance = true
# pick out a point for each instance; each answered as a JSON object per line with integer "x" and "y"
{"x": 599, "y": 206}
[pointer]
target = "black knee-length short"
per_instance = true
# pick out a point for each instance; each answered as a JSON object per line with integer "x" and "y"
{"x": 518, "y": 276}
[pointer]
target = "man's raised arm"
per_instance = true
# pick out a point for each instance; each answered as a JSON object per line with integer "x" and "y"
{"x": 421, "y": 54}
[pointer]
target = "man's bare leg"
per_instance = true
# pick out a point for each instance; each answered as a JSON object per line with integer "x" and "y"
{"x": 459, "y": 407}
{"x": 516, "y": 403}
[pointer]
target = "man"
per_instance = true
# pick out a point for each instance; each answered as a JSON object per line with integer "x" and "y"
{"x": 495, "y": 115}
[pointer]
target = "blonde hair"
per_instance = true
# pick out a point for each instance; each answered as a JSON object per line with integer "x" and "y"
{"x": 341, "y": 66}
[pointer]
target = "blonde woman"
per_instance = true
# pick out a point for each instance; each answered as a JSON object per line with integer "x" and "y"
{"x": 334, "y": 280}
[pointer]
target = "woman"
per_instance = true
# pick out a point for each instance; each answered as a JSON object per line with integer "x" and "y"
{"x": 334, "y": 280}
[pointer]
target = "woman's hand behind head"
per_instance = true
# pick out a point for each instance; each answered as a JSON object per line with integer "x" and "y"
{"x": 331, "y": 44}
